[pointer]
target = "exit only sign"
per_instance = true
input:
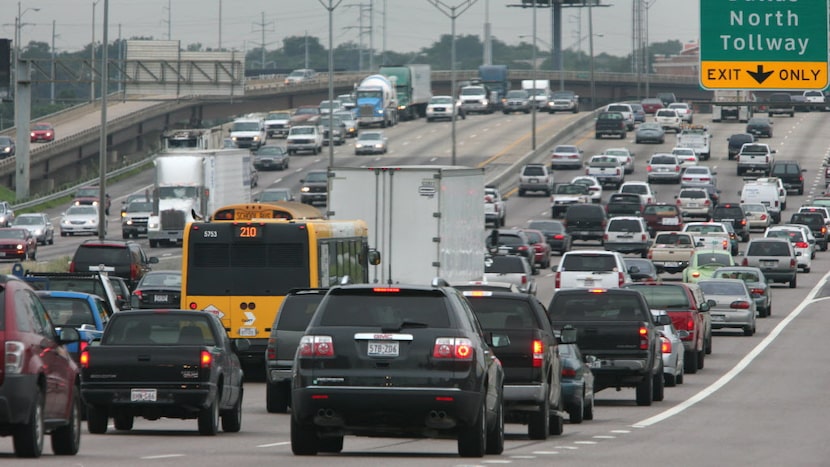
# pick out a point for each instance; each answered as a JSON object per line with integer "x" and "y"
{"x": 763, "y": 44}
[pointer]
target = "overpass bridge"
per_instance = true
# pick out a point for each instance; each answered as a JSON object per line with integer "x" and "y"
{"x": 136, "y": 123}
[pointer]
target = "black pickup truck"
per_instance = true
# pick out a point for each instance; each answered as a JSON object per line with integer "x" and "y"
{"x": 163, "y": 363}
{"x": 532, "y": 369}
{"x": 616, "y": 327}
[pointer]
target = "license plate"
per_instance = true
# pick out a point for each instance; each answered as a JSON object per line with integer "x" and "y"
{"x": 589, "y": 282}
{"x": 670, "y": 221}
{"x": 160, "y": 298}
{"x": 595, "y": 364}
{"x": 694, "y": 205}
{"x": 143, "y": 395}
{"x": 2, "y": 254}
{"x": 534, "y": 180}
{"x": 671, "y": 264}
{"x": 247, "y": 332}
{"x": 769, "y": 264}
{"x": 718, "y": 318}
{"x": 383, "y": 349}
{"x": 627, "y": 236}
{"x": 662, "y": 169}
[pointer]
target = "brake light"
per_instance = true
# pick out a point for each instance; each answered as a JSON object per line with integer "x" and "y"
{"x": 690, "y": 323}
{"x": 743, "y": 221}
{"x": 763, "y": 217}
{"x": 71, "y": 266}
{"x": 725, "y": 244}
{"x": 558, "y": 237}
{"x": 524, "y": 279}
{"x": 678, "y": 202}
{"x": 83, "y": 345}
{"x": 650, "y": 255}
{"x": 453, "y": 348}
{"x": 745, "y": 262}
{"x": 792, "y": 263}
{"x": 605, "y": 237}
{"x": 643, "y": 338}
{"x": 386, "y": 290}
{"x": 677, "y": 168}
{"x": 206, "y": 359}
{"x": 621, "y": 279}
{"x": 139, "y": 294}
{"x": 133, "y": 271}
{"x": 665, "y": 345}
{"x": 706, "y": 203}
{"x": 316, "y": 346}
{"x": 522, "y": 248}
{"x": 648, "y": 168}
{"x": 568, "y": 372}
{"x": 557, "y": 280}
{"x": 758, "y": 291}
{"x": 84, "y": 359}
{"x": 271, "y": 350}
{"x": 801, "y": 245}
{"x": 739, "y": 305}
{"x": 824, "y": 230}
{"x": 538, "y": 353}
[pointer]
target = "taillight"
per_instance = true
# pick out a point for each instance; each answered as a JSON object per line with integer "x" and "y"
{"x": 739, "y": 305}
{"x": 763, "y": 217}
{"x": 538, "y": 353}
{"x": 758, "y": 291}
{"x": 524, "y": 279}
{"x": 558, "y": 237}
{"x": 13, "y": 357}
{"x": 621, "y": 278}
{"x": 453, "y": 348}
{"x": 643, "y": 338}
{"x": 271, "y": 349}
{"x": 522, "y": 248}
{"x": 745, "y": 262}
{"x": 801, "y": 245}
{"x": 824, "y": 230}
{"x": 706, "y": 203}
{"x": 139, "y": 294}
{"x": 743, "y": 221}
{"x": 83, "y": 345}
{"x": 792, "y": 263}
{"x": 586, "y": 172}
{"x": 678, "y": 202}
{"x": 677, "y": 168}
{"x": 643, "y": 237}
{"x": 726, "y": 244}
{"x": 776, "y": 203}
{"x": 605, "y": 237}
{"x": 71, "y": 266}
{"x": 650, "y": 255}
{"x": 557, "y": 280}
{"x": 665, "y": 345}
{"x": 568, "y": 372}
{"x": 316, "y": 346}
{"x": 690, "y": 324}
{"x": 133, "y": 271}
{"x": 84, "y": 359}
{"x": 206, "y": 359}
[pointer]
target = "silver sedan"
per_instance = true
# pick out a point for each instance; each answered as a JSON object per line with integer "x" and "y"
{"x": 80, "y": 219}
{"x": 730, "y": 304}
{"x": 371, "y": 142}
{"x": 673, "y": 351}
{"x": 698, "y": 176}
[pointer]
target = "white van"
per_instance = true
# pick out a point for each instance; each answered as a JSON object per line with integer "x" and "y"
{"x": 763, "y": 193}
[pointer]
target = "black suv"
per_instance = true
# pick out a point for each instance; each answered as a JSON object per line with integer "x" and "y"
{"x": 295, "y": 312}
{"x": 586, "y": 221}
{"x": 780, "y": 103}
{"x": 790, "y": 173}
{"x": 315, "y": 187}
{"x": 532, "y": 369}
{"x": 815, "y": 222}
{"x": 119, "y": 258}
{"x": 735, "y": 142}
{"x": 512, "y": 242}
{"x": 734, "y": 214}
{"x": 397, "y": 361}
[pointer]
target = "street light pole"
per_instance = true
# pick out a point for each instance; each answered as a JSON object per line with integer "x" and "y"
{"x": 534, "y": 100}
{"x": 92, "y": 57}
{"x": 453, "y": 12}
{"x": 591, "y": 52}
{"x": 331, "y": 7}
{"x": 102, "y": 149}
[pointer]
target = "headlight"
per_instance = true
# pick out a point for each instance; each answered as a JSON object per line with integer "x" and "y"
{"x": 7, "y": 150}
{"x": 305, "y": 189}
{"x": 38, "y": 232}
{"x": 19, "y": 246}
{"x": 152, "y": 225}
{"x": 64, "y": 222}
{"x": 256, "y": 138}
{"x": 358, "y": 145}
{"x": 380, "y": 111}
{"x": 129, "y": 222}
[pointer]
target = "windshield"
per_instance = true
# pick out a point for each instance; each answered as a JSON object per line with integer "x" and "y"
{"x": 316, "y": 177}
{"x": 279, "y": 116}
{"x": 791, "y": 235}
{"x": 504, "y": 264}
{"x": 370, "y": 94}
{"x": 650, "y": 126}
{"x": 517, "y": 95}
{"x": 696, "y": 194}
{"x": 472, "y": 91}
{"x": 370, "y": 137}
{"x": 64, "y": 311}
{"x": 28, "y": 220}
{"x": 87, "y": 193}
{"x": 81, "y": 211}
{"x": 307, "y": 111}
{"x": 276, "y": 195}
{"x": 302, "y": 130}
{"x": 140, "y": 206}
{"x": 178, "y": 192}
{"x": 270, "y": 151}
{"x": 41, "y": 126}
{"x": 245, "y": 126}
{"x": 12, "y": 233}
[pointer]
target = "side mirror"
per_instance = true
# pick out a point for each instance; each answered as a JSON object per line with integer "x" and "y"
{"x": 711, "y": 302}
{"x": 153, "y": 260}
{"x": 798, "y": 253}
{"x": 662, "y": 320}
{"x": 714, "y": 173}
{"x": 374, "y": 257}
{"x": 67, "y": 335}
{"x": 554, "y": 268}
{"x": 568, "y": 335}
{"x": 704, "y": 307}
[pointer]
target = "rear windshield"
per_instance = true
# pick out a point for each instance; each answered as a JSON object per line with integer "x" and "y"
{"x": 768, "y": 249}
{"x": 705, "y": 228}
{"x": 510, "y": 240}
{"x": 668, "y": 160}
{"x": 621, "y": 198}
{"x": 785, "y": 169}
{"x": 733, "y": 212}
{"x": 704, "y": 259}
{"x": 624, "y": 225}
{"x": 664, "y": 296}
{"x": 697, "y": 194}
{"x": 637, "y": 189}
{"x": 791, "y": 235}
{"x": 588, "y": 262}
{"x": 102, "y": 254}
{"x": 661, "y": 210}
{"x": 596, "y": 307}
{"x": 393, "y": 311}
{"x": 570, "y": 189}
{"x": 807, "y": 220}
{"x": 722, "y": 288}
{"x": 504, "y": 264}
{"x": 503, "y": 313}
{"x": 534, "y": 170}
{"x": 672, "y": 239}
{"x": 64, "y": 311}
{"x": 296, "y": 312}
{"x": 584, "y": 211}
{"x": 159, "y": 329}
{"x": 746, "y": 276}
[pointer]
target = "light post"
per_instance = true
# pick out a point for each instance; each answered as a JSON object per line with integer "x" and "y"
{"x": 92, "y": 57}
{"x": 18, "y": 25}
{"x": 331, "y": 7}
{"x": 102, "y": 149}
{"x": 22, "y": 110}
{"x": 648, "y": 4}
{"x": 453, "y": 12}
{"x": 591, "y": 52}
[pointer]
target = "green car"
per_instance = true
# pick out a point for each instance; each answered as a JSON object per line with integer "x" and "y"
{"x": 704, "y": 263}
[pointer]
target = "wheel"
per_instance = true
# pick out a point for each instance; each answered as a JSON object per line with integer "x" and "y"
{"x": 209, "y": 418}
{"x": 154, "y": 243}
{"x": 521, "y": 192}
{"x": 576, "y": 412}
{"x": 277, "y": 397}
{"x": 125, "y": 235}
{"x": 645, "y": 390}
{"x": 679, "y": 378}
{"x": 690, "y": 362}
{"x": 588, "y": 409}
{"x": 52, "y": 241}
{"x": 538, "y": 422}
{"x": 657, "y": 391}
{"x": 701, "y": 359}
{"x": 669, "y": 381}
{"x": 495, "y": 433}
{"x": 304, "y": 440}
{"x": 28, "y": 436}
{"x": 96, "y": 420}
{"x": 793, "y": 282}
{"x": 636, "y": 141}
{"x": 749, "y": 330}
{"x": 824, "y": 246}
{"x": 232, "y": 419}
{"x": 472, "y": 439}
{"x": 66, "y": 440}
{"x": 63, "y": 234}
{"x": 332, "y": 444}
{"x": 556, "y": 424}
{"x": 123, "y": 422}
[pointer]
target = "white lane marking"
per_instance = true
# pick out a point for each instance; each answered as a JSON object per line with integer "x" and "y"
{"x": 523, "y": 457}
{"x": 545, "y": 453}
{"x": 497, "y": 461}
{"x": 270, "y": 445}
{"x": 604, "y": 437}
{"x": 585, "y": 442}
{"x": 621, "y": 431}
{"x": 161, "y": 456}
{"x": 741, "y": 366}
{"x": 572, "y": 448}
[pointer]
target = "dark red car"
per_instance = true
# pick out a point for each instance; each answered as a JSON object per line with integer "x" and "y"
{"x": 541, "y": 248}
{"x": 39, "y": 382}
{"x": 17, "y": 244}
{"x": 42, "y": 131}
{"x": 651, "y": 105}
{"x": 662, "y": 217}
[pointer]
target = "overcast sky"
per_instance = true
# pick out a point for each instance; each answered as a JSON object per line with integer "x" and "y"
{"x": 411, "y": 24}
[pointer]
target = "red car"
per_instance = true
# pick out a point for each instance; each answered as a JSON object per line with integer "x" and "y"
{"x": 43, "y": 131}
{"x": 651, "y": 105}
{"x": 662, "y": 217}
{"x": 689, "y": 313}
{"x": 39, "y": 385}
{"x": 541, "y": 248}
{"x": 17, "y": 244}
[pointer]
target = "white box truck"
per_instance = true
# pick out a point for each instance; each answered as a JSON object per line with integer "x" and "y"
{"x": 424, "y": 220}
{"x": 539, "y": 90}
{"x": 727, "y": 105}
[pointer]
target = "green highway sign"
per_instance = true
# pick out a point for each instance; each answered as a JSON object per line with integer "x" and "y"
{"x": 763, "y": 44}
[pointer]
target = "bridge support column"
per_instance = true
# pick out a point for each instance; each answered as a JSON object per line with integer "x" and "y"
{"x": 22, "y": 117}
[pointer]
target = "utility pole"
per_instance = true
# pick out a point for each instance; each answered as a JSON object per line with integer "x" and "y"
{"x": 52, "y": 84}
{"x": 371, "y": 36}
{"x": 306, "y": 50}
{"x": 92, "y": 57}
{"x": 220, "y": 24}
{"x": 263, "y": 26}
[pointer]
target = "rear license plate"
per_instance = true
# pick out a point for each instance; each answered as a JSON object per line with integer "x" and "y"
{"x": 669, "y": 221}
{"x": 694, "y": 205}
{"x": 2, "y": 254}
{"x": 769, "y": 264}
{"x": 247, "y": 332}
{"x": 143, "y": 395}
{"x": 534, "y": 180}
{"x": 671, "y": 264}
{"x": 718, "y": 317}
{"x": 589, "y": 282}
{"x": 627, "y": 237}
{"x": 160, "y": 298}
{"x": 595, "y": 364}
{"x": 383, "y": 349}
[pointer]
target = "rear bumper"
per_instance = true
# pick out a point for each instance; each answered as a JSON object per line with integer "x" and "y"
{"x": 627, "y": 247}
{"x": 170, "y": 398}
{"x": 732, "y": 318}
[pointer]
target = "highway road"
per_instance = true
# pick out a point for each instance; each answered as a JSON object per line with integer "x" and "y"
{"x": 756, "y": 402}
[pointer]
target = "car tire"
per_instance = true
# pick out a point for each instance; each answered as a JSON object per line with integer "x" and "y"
{"x": 658, "y": 391}
{"x": 749, "y": 330}
{"x": 277, "y": 397}
{"x": 538, "y": 422}
{"x": 96, "y": 420}
{"x": 232, "y": 419}
{"x": 66, "y": 440}
{"x": 304, "y": 440}
{"x": 690, "y": 362}
{"x": 495, "y": 433}
{"x": 28, "y": 436}
{"x": 208, "y": 420}
{"x": 331, "y": 444}
{"x": 588, "y": 409}
{"x": 123, "y": 422}
{"x": 576, "y": 412}
{"x": 701, "y": 358}
{"x": 472, "y": 439}
{"x": 645, "y": 390}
